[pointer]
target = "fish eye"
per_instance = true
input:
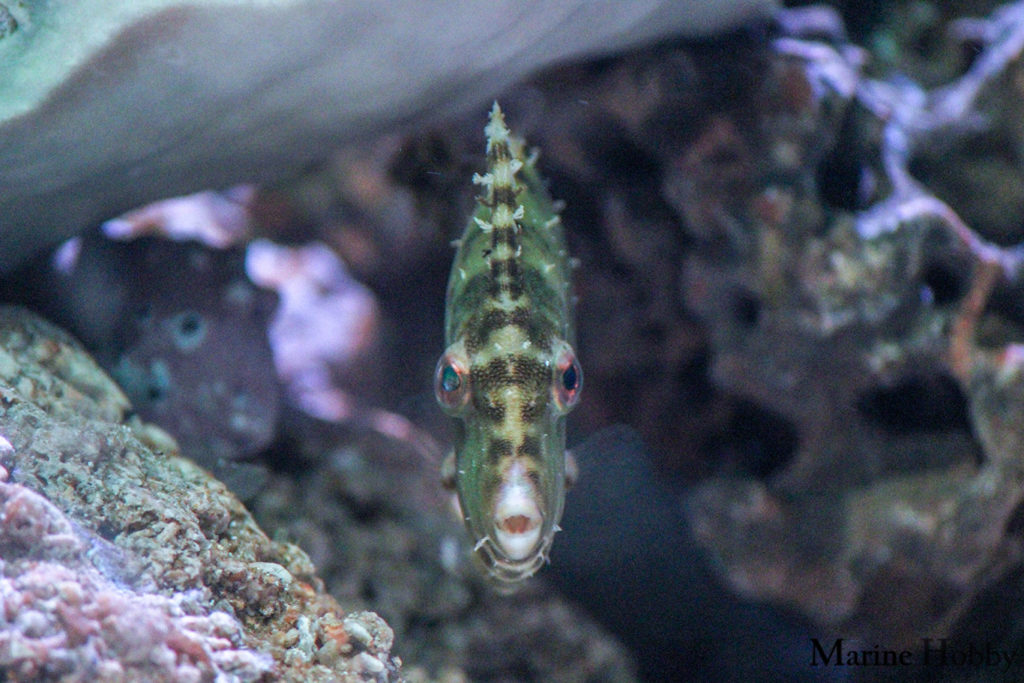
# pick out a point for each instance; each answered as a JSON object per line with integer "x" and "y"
{"x": 451, "y": 383}
{"x": 568, "y": 380}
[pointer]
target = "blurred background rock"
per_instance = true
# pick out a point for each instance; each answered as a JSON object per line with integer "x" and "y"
{"x": 800, "y": 290}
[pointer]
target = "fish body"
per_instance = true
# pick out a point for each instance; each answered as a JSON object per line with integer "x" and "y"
{"x": 510, "y": 372}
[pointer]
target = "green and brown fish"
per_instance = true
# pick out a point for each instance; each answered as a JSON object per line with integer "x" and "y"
{"x": 510, "y": 373}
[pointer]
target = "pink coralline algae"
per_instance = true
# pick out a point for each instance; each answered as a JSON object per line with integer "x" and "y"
{"x": 60, "y": 617}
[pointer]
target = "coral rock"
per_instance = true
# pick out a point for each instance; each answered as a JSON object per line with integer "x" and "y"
{"x": 120, "y": 562}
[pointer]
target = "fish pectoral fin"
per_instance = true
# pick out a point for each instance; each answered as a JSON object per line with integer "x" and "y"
{"x": 572, "y": 470}
{"x": 448, "y": 471}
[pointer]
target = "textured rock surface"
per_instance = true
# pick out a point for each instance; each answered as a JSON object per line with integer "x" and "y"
{"x": 105, "y": 106}
{"x": 122, "y": 561}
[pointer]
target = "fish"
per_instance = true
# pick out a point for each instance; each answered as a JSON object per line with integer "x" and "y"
{"x": 509, "y": 373}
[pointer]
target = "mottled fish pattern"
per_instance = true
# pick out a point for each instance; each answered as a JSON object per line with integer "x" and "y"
{"x": 509, "y": 372}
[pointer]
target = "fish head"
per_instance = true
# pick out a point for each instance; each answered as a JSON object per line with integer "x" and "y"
{"x": 509, "y": 448}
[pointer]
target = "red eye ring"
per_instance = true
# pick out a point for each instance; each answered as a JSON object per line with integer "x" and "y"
{"x": 451, "y": 383}
{"x": 568, "y": 380}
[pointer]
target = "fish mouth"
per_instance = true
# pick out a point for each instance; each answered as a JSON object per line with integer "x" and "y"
{"x": 516, "y": 546}
{"x": 517, "y": 521}
{"x": 506, "y": 570}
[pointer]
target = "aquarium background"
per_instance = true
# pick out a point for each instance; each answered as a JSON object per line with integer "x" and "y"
{"x": 800, "y": 447}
